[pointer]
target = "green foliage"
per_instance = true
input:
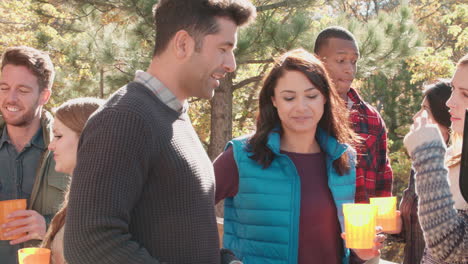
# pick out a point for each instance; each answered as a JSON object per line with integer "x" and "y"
{"x": 429, "y": 65}
{"x": 383, "y": 51}
{"x": 445, "y": 24}
{"x": 18, "y": 23}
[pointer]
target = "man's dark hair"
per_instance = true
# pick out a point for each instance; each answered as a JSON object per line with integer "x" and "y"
{"x": 332, "y": 32}
{"x": 38, "y": 62}
{"x": 197, "y": 17}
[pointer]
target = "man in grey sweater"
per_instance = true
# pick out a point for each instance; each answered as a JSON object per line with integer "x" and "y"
{"x": 143, "y": 187}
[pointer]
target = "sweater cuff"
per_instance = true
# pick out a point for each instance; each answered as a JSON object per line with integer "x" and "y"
{"x": 419, "y": 137}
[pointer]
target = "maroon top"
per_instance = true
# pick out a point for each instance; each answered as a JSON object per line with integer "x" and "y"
{"x": 319, "y": 229}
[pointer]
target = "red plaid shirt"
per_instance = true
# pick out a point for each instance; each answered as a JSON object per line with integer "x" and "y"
{"x": 373, "y": 172}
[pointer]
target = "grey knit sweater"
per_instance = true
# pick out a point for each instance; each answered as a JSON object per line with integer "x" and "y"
{"x": 445, "y": 229}
{"x": 143, "y": 187}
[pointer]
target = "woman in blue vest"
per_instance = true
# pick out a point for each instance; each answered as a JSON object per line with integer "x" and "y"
{"x": 284, "y": 186}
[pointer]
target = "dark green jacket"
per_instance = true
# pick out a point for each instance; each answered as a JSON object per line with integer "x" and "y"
{"x": 49, "y": 185}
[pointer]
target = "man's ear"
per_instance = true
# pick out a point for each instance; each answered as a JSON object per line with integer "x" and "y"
{"x": 44, "y": 96}
{"x": 183, "y": 44}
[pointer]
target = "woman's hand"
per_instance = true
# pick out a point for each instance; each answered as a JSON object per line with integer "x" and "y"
{"x": 366, "y": 254}
{"x": 422, "y": 131}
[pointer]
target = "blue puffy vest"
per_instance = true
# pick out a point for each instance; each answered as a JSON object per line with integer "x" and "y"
{"x": 261, "y": 223}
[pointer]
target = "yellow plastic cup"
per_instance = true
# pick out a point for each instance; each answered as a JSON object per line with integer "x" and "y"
{"x": 360, "y": 222}
{"x": 34, "y": 256}
{"x": 7, "y": 207}
{"x": 386, "y": 212}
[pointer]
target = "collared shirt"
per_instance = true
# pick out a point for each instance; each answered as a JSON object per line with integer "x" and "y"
{"x": 18, "y": 170}
{"x": 374, "y": 175}
{"x": 161, "y": 91}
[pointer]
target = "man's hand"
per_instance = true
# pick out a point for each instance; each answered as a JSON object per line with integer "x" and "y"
{"x": 30, "y": 223}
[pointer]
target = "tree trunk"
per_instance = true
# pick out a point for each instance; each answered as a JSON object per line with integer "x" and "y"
{"x": 101, "y": 83}
{"x": 221, "y": 123}
{"x": 221, "y": 117}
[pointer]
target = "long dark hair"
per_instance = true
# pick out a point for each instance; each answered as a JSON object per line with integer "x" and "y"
{"x": 334, "y": 120}
{"x": 437, "y": 95}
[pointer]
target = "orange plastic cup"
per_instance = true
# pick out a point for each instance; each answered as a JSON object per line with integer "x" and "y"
{"x": 386, "y": 212}
{"x": 360, "y": 222}
{"x": 7, "y": 207}
{"x": 34, "y": 256}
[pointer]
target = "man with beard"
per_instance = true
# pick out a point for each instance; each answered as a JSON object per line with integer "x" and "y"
{"x": 26, "y": 166}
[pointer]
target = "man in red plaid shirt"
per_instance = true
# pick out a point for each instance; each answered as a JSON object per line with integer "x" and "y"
{"x": 337, "y": 48}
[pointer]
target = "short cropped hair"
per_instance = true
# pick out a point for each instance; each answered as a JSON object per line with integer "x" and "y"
{"x": 38, "y": 62}
{"x": 197, "y": 17}
{"x": 332, "y": 32}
